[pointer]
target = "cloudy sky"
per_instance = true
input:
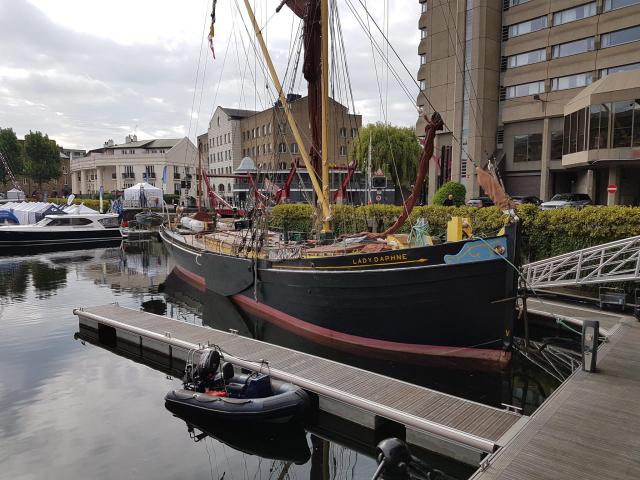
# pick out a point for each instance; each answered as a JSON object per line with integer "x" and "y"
{"x": 84, "y": 71}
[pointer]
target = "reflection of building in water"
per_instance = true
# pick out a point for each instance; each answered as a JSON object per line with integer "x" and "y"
{"x": 137, "y": 268}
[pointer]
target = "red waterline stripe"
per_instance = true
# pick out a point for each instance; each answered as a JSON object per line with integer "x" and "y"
{"x": 352, "y": 343}
{"x": 347, "y": 342}
{"x": 190, "y": 277}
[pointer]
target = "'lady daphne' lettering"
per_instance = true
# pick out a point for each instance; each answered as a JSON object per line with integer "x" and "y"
{"x": 397, "y": 257}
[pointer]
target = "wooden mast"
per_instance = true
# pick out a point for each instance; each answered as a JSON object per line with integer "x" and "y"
{"x": 324, "y": 203}
{"x": 324, "y": 17}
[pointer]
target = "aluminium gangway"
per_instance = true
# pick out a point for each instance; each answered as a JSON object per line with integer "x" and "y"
{"x": 617, "y": 261}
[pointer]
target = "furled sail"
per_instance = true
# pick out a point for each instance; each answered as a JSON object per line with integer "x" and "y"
{"x": 430, "y": 130}
{"x": 494, "y": 189}
{"x": 309, "y": 12}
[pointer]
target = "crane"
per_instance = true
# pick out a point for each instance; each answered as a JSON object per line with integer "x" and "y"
{"x": 7, "y": 169}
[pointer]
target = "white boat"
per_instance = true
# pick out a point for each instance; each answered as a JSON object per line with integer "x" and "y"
{"x": 71, "y": 230}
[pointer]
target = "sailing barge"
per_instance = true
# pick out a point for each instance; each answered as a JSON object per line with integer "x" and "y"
{"x": 367, "y": 294}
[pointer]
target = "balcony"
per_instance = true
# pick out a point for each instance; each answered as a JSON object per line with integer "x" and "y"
{"x": 146, "y": 175}
{"x": 126, "y": 175}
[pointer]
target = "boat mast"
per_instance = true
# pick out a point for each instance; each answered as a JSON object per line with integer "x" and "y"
{"x": 369, "y": 171}
{"x": 324, "y": 17}
{"x": 324, "y": 203}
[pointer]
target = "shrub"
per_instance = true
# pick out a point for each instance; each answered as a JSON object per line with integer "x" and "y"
{"x": 169, "y": 198}
{"x": 295, "y": 217}
{"x": 458, "y": 191}
{"x": 543, "y": 233}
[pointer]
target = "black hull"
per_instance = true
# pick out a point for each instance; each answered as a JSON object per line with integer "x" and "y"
{"x": 459, "y": 310}
{"x": 21, "y": 242}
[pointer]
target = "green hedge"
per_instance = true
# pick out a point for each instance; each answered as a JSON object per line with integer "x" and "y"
{"x": 544, "y": 233}
{"x": 456, "y": 189}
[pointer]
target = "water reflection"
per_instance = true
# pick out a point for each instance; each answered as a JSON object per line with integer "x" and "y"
{"x": 287, "y": 443}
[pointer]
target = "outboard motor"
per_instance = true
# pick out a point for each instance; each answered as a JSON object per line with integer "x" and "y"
{"x": 206, "y": 369}
{"x": 396, "y": 462}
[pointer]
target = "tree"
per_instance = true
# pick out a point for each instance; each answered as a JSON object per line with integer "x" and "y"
{"x": 42, "y": 158}
{"x": 393, "y": 149}
{"x": 456, "y": 189}
{"x": 12, "y": 152}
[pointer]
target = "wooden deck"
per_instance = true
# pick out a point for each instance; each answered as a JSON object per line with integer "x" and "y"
{"x": 574, "y": 314}
{"x": 342, "y": 389}
{"x": 589, "y": 428}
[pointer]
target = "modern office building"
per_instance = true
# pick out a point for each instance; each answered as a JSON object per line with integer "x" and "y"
{"x": 508, "y": 77}
{"x": 116, "y": 167}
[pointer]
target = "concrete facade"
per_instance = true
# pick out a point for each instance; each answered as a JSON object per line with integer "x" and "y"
{"x": 501, "y": 73}
{"x": 116, "y": 167}
{"x": 268, "y": 140}
{"x": 225, "y": 150}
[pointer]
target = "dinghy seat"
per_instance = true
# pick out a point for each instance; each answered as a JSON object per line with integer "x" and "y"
{"x": 227, "y": 371}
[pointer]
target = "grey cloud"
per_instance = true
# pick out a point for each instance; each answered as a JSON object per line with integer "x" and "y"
{"x": 99, "y": 85}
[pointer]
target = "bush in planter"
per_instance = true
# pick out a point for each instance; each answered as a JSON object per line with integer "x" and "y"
{"x": 458, "y": 191}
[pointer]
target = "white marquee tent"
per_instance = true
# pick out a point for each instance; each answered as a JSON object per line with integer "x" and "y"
{"x": 143, "y": 195}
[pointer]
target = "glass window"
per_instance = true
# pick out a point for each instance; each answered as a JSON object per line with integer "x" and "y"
{"x": 80, "y": 221}
{"x": 622, "y": 123}
{"x": 423, "y": 33}
{"x": 527, "y": 58}
{"x": 565, "y": 137}
{"x": 573, "y": 48}
{"x": 525, "y": 89}
{"x": 529, "y": 26}
{"x": 620, "y": 36}
{"x": 621, "y": 68}
{"x": 573, "y": 132}
{"x": 294, "y": 148}
{"x": 556, "y": 145}
{"x": 424, "y": 6}
{"x": 572, "y": 81}
{"x": 423, "y": 59}
{"x": 110, "y": 222}
{"x": 527, "y": 148}
{"x": 614, "y": 4}
{"x": 574, "y": 13}
{"x": 59, "y": 222}
{"x": 636, "y": 124}
{"x": 596, "y": 140}
{"x": 513, "y": 3}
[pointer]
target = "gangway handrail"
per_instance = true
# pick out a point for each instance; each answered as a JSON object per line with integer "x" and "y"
{"x": 616, "y": 261}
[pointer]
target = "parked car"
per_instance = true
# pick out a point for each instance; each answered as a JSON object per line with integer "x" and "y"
{"x": 567, "y": 200}
{"x": 520, "y": 199}
{"x": 480, "y": 202}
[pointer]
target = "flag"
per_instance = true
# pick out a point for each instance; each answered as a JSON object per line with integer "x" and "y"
{"x": 212, "y": 30}
{"x": 165, "y": 174}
